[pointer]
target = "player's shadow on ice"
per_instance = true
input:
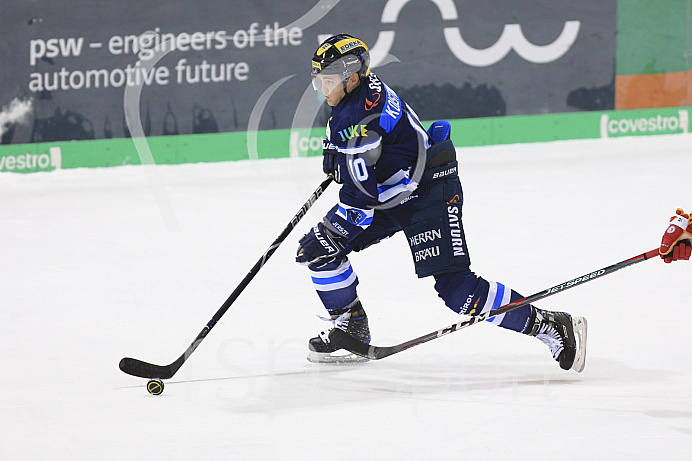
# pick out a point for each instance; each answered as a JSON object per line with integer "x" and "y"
{"x": 330, "y": 386}
{"x": 480, "y": 379}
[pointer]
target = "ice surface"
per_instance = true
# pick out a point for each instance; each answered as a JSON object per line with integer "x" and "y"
{"x": 99, "y": 264}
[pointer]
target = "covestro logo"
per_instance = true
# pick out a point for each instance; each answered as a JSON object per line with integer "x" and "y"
{"x": 661, "y": 123}
{"x": 28, "y": 162}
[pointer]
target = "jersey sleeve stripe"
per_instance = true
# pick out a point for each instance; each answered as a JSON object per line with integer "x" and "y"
{"x": 396, "y": 184}
{"x": 415, "y": 123}
{"x": 362, "y": 148}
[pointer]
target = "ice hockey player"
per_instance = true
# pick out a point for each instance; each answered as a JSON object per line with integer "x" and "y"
{"x": 397, "y": 176}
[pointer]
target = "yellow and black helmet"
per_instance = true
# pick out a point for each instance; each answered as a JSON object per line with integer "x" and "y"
{"x": 343, "y": 55}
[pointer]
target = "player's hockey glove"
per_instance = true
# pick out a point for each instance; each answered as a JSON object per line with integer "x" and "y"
{"x": 677, "y": 240}
{"x": 319, "y": 246}
{"x": 330, "y": 165}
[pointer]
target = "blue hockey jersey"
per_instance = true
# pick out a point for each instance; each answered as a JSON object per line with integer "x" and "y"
{"x": 379, "y": 140}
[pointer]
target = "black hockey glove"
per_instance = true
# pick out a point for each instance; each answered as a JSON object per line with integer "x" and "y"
{"x": 330, "y": 165}
{"x": 318, "y": 246}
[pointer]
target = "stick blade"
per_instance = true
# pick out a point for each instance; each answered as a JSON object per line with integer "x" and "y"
{"x": 142, "y": 369}
{"x": 345, "y": 341}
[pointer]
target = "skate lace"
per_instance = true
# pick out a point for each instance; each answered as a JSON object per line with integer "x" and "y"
{"x": 551, "y": 338}
{"x": 341, "y": 322}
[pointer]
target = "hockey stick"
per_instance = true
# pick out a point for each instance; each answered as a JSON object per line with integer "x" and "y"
{"x": 345, "y": 341}
{"x": 142, "y": 369}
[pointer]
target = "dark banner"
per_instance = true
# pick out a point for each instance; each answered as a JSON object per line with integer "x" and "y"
{"x": 72, "y": 70}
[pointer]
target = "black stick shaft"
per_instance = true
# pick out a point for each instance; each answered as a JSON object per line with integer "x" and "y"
{"x": 376, "y": 352}
{"x": 270, "y": 251}
{"x": 148, "y": 370}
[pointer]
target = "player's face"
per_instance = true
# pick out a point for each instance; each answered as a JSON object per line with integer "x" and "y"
{"x": 331, "y": 87}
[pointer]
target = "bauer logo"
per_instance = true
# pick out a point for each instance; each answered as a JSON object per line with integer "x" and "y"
{"x": 615, "y": 125}
{"x": 28, "y": 162}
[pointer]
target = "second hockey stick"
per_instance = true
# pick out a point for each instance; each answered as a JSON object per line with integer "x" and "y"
{"x": 149, "y": 370}
{"x": 345, "y": 341}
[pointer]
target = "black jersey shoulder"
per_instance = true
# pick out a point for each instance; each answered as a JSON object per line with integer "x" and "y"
{"x": 370, "y": 112}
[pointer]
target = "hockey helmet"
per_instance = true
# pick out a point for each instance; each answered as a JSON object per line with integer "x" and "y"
{"x": 341, "y": 55}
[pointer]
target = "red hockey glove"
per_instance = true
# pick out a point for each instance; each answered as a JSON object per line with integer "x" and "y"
{"x": 677, "y": 240}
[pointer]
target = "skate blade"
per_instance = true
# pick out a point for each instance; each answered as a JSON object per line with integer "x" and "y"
{"x": 580, "y": 329}
{"x": 336, "y": 357}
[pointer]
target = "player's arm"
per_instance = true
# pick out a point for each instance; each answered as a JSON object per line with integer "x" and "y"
{"x": 355, "y": 210}
{"x": 330, "y": 164}
{"x": 359, "y": 194}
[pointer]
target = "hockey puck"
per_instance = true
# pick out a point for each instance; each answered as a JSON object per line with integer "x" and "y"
{"x": 155, "y": 386}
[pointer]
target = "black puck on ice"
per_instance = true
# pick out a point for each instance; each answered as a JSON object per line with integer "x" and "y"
{"x": 155, "y": 386}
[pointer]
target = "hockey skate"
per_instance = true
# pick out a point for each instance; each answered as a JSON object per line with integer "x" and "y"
{"x": 353, "y": 321}
{"x": 564, "y": 335}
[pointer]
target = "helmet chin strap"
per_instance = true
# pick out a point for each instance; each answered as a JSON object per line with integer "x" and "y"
{"x": 344, "y": 83}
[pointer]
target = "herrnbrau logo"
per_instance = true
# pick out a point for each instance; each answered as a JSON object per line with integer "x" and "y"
{"x": 425, "y": 237}
{"x": 425, "y": 253}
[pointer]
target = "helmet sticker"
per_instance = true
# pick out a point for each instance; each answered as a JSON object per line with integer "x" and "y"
{"x": 323, "y": 48}
{"x": 344, "y": 45}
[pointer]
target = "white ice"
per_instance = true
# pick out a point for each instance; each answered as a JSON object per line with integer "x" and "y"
{"x": 99, "y": 264}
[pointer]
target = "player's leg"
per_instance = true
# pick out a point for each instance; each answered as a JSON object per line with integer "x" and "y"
{"x": 438, "y": 245}
{"x": 335, "y": 283}
{"x": 466, "y": 293}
